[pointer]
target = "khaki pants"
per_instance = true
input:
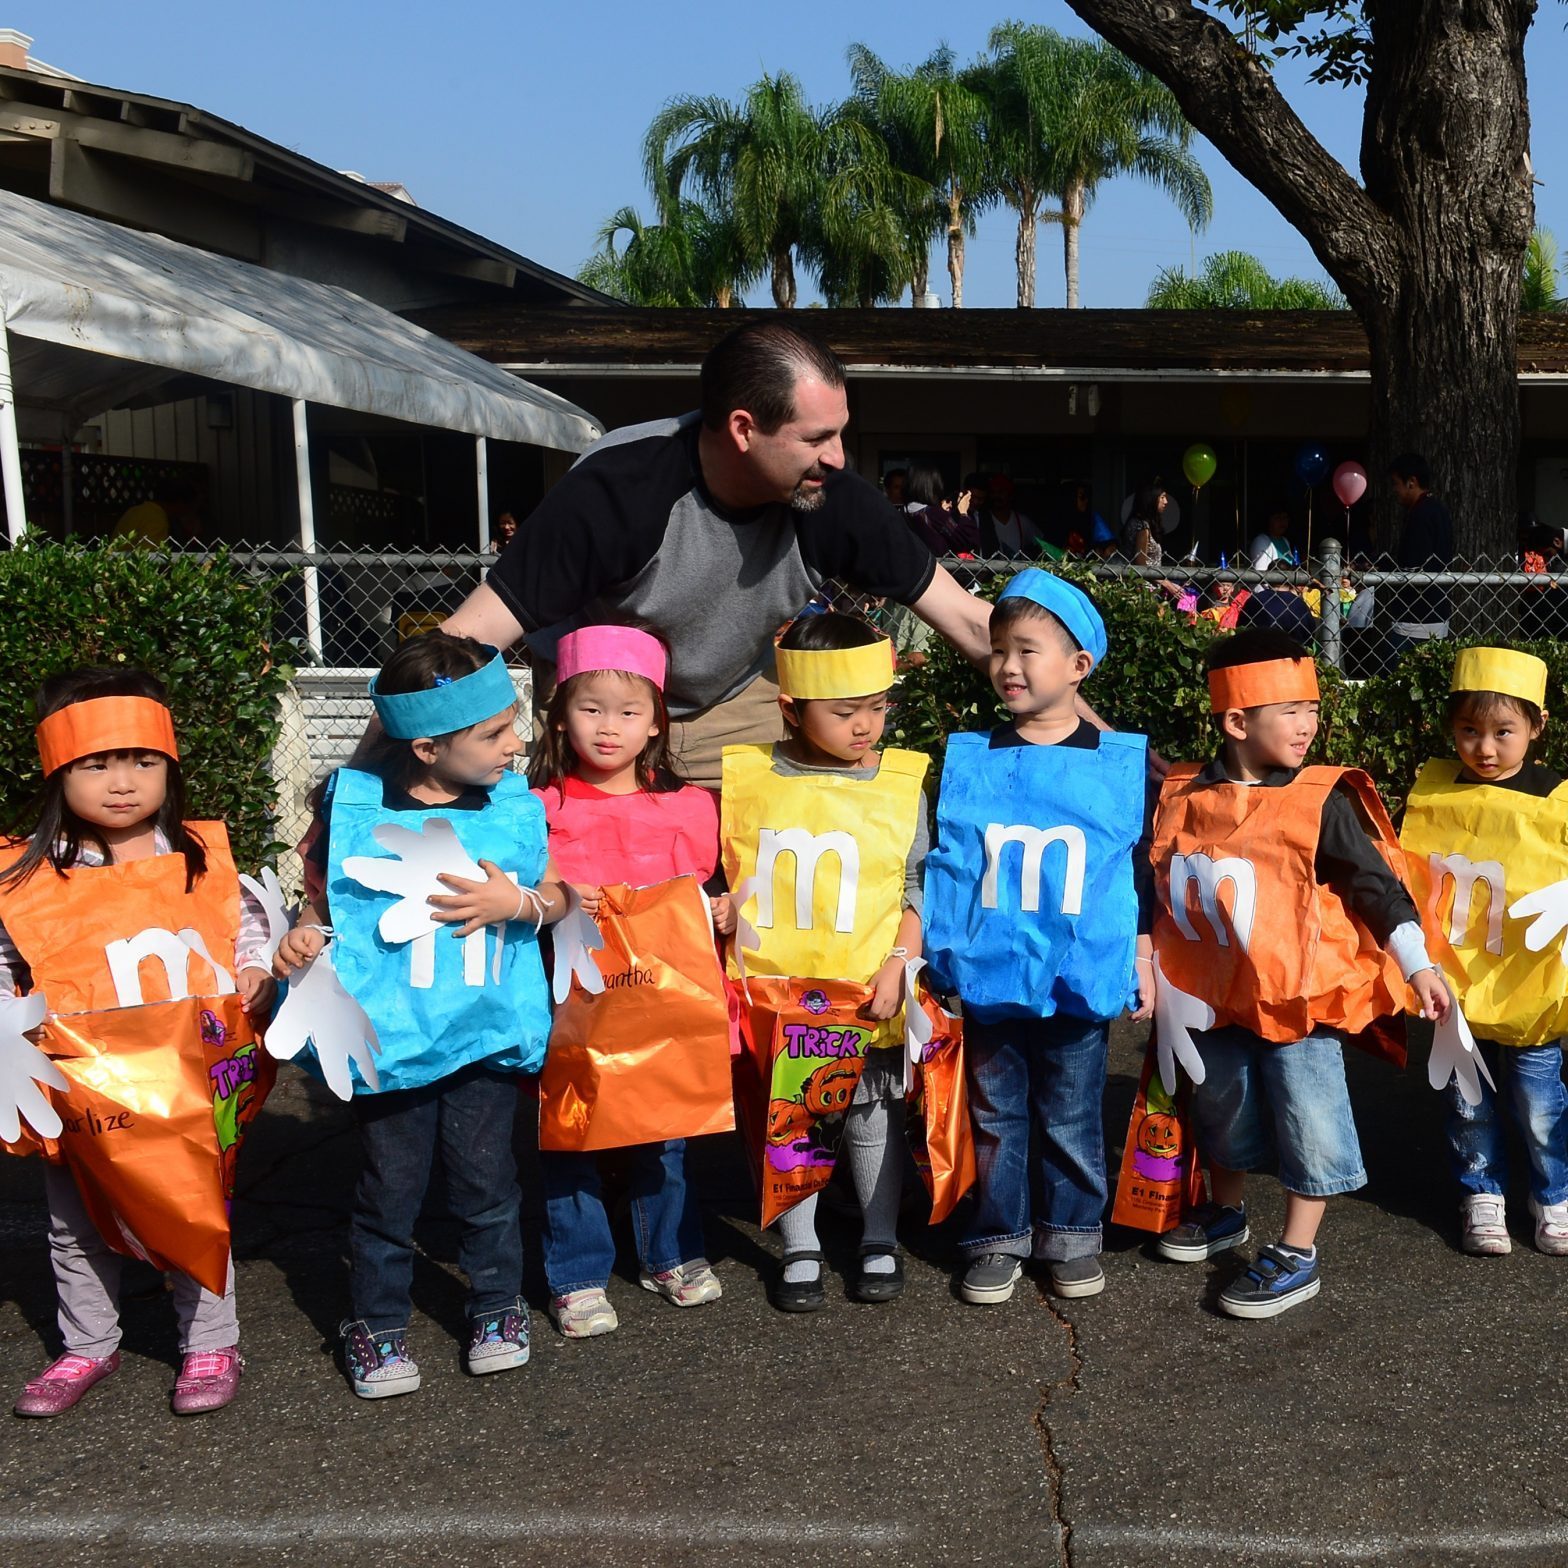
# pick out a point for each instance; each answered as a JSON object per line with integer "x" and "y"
{"x": 750, "y": 718}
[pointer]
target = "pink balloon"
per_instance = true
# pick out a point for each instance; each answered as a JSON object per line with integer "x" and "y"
{"x": 1350, "y": 483}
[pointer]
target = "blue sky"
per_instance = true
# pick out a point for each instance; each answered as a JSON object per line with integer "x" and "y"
{"x": 523, "y": 120}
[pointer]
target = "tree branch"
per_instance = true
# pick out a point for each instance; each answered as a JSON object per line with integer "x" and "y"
{"x": 1232, "y": 99}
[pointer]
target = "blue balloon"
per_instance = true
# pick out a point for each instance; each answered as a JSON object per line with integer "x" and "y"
{"x": 1311, "y": 465}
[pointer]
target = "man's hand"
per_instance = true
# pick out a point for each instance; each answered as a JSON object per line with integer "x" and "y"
{"x": 258, "y": 990}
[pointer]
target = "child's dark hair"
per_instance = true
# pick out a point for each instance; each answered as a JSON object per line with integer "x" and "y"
{"x": 554, "y": 759}
{"x": 422, "y": 662}
{"x": 1255, "y": 645}
{"x": 829, "y": 631}
{"x": 1009, "y": 612}
{"x": 1479, "y": 706}
{"x": 58, "y": 834}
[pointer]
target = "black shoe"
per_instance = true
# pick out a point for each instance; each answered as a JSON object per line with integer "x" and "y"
{"x": 878, "y": 1288}
{"x": 1077, "y": 1277}
{"x": 805, "y": 1295}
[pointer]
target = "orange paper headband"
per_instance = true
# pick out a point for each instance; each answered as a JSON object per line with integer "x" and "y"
{"x": 105, "y": 724}
{"x": 1252, "y": 685}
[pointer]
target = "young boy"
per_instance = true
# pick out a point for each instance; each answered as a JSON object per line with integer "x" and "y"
{"x": 1033, "y": 918}
{"x": 1289, "y": 962}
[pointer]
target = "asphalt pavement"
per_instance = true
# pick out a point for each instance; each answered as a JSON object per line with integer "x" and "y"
{"x": 1410, "y": 1414}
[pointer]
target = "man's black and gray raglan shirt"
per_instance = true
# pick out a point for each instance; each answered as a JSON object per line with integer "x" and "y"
{"x": 631, "y": 531}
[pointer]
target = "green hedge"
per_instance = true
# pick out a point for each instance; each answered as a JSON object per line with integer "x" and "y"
{"x": 201, "y": 625}
{"x": 1152, "y": 682}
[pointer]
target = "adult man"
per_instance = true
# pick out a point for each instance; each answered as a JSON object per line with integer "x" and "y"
{"x": 715, "y": 529}
{"x": 1426, "y": 542}
{"x": 1004, "y": 531}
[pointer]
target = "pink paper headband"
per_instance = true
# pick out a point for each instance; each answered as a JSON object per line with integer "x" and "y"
{"x": 620, "y": 648}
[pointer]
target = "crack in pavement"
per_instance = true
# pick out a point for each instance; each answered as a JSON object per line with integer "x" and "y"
{"x": 1055, "y": 1470}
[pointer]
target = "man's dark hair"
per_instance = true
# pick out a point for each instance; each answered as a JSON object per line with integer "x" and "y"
{"x": 1255, "y": 645}
{"x": 1411, "y": 465}
{"x": 756, "y": 366}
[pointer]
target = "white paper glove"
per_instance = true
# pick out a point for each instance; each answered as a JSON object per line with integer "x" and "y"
{"x": 1176, "y": 1015}
{"x": 317, "y": 1010}
{"x": 22, "y": 1068}
{"x": 1549, "y": 905}
{"x": 747, "y": 937}
{"x": 1455, "y": 1058}
{"x": 266, "y": 891}
{"x": 918, "y": 1028}
{"x": 577, "y": 938}
{"x": 418, "y": 860}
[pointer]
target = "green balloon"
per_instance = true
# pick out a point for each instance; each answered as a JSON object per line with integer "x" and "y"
{"x": 1198, "y": 463}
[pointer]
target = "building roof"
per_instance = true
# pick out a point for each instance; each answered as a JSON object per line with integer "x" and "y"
{"x": 1109, "y": 343}
{"x": 168, "y": 167}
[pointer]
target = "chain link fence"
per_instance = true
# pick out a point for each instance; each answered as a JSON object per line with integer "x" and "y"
{"x": 344, "y": 611}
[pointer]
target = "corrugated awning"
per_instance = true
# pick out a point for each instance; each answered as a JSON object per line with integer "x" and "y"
{"x": 100, "y": 314}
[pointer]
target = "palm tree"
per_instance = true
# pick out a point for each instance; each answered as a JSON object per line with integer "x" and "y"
{"x": 934, "y": 123}
{"x": 1096, "y": 115}
{"x": 1538, "y": 288}
{"x": 1234, "y": 280}
{"x": 691, "y": 261}
{"x": 762, "y": 161}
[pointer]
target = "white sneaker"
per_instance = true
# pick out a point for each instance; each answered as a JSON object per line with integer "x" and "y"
{"x": 1551, "y": 1227}
{"x": 584, "y": 1314}
{"x": 1484, "y": 1225}
{"x": 688, "y": 1284}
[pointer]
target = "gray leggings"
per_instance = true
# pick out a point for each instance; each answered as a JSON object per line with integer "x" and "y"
{"x": 87, "y": 1281}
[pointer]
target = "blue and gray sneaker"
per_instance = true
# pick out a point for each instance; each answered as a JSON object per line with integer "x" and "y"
{"x": 498, "y": 1341}
{"x": 1206, "y": 1230}
{"x": 1280, "y": 1279}
{"x": 378, "y": 1365}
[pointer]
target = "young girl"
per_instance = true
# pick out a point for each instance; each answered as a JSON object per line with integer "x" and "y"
{"x": 1497, "y": 819}
{"x": 618, "y": 813}
{"x": 458, "y": 1013}
{"x": 826, "y": 781}
{"x": 111, "y": 858}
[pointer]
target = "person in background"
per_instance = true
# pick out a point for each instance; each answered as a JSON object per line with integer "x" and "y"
{"x": 1540, "y": 553}
{"x": 1278, "y": 604}
{"x": 1144, "y": 529}
{"x": 943, "y": 530}
{"x": 895, "y": 485}
{"x": 174, "y": 513}
{"x": 1273, "y": 543}
{"x": 973, "y": 494}
{"x": 1087, "y": 532}
{"x": 1226, "y": 602}
{"x": 505, "y": 531}
{"x": 1426, "y": 543}
{"x": 1004, "y": 531}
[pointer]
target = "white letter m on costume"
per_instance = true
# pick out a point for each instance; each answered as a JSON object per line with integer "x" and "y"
{"x": 1208, "y": 874}
{"x": 807, "y": 848}
{"x": 1034, "y": 842}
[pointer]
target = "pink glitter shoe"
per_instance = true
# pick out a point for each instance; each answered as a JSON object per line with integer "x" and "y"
{"x": 208, "y": 1380}
{"x": 62, "y": 1383}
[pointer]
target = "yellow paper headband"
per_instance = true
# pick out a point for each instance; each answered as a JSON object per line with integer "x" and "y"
{"x": 1253, "y": 685}
{"x": 84, "y": 729}
{"x": 1502, "y": 670}
{"x": 837, "y": 672}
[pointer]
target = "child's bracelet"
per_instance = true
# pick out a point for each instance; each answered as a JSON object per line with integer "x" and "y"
{"x": 326, "y": 931}
{"x": 530, "y": 897}
{"x": 900, "y": 953}
{"x": 1148, "y": 961}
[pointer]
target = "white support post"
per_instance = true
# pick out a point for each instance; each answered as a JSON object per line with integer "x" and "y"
{"x": 482, "y": 481}
{"x": 307, "y": 530}
{"x": 10, "y": 446}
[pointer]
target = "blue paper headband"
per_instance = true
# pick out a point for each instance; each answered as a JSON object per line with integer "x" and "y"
{"x": 1071, "y": 606}
{"x": 442, "y": 709}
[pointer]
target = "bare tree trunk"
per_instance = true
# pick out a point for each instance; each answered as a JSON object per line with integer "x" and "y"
{"x": 1072, "y": 216}
{"x": 920, "y": 282}
{"x": 1429, "y": 251}
{"x": 955, "y": 248}
{"x": 1023, "y": 252}
{"x": 783, "y": 279}
{"x": 725, "y": 296}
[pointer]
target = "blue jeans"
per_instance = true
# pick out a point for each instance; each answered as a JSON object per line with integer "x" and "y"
{"x": 468, "y": 1117}
{"x": 1532, "y": 1080}
{"x": 1035, "y": 1092}
{"x": 1260, "y": 1104}
{"x": 579, "y": 1250}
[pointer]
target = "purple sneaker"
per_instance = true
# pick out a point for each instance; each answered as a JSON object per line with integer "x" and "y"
{"x": 498, "y": 1341}
{"x": 62, "y": 1383}
{"x": 208, "y": 1380}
